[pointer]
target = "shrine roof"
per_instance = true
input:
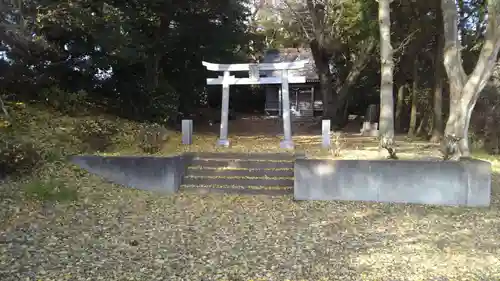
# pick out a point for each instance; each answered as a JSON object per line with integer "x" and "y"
{"x": 291, "y": 55}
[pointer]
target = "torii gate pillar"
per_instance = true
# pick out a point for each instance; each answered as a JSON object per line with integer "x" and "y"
{"x": 287, "y": 141}
{"x": 254, "y": 78}
{"x": 224, "y": 120}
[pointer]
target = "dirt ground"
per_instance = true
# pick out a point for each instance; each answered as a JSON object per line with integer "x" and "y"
{"x": 246, "y": 125}
{"x": 263, "y": 133}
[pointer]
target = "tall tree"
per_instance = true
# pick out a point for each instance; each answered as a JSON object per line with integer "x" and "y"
{"x": 340, "y": 34}
{"x": 386, "y": 123}
{"x": 465, "y": 89}
{"x": 437, "y": 105}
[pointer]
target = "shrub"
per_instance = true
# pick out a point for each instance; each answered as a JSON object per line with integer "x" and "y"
{"x": 18, "y": 157}
{"x": 158, "y": 105}
{"x": 66, "y": 102}
{"x": 153, "y": 138}
{"x": 96, "y": 135}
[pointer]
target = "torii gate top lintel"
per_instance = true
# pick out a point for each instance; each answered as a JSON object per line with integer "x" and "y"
{"x": 254, "y": 73}
{"x": 261, "y": 66}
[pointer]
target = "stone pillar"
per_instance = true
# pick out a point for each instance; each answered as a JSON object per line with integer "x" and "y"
{"x": 287, "y": 123}
{"x": 325, "y": 136}
{"x": 370, "y": 124}
{"x": 224, "y": 120}
{"x": 280, "y": 103}
{"x": 187, "y": 131}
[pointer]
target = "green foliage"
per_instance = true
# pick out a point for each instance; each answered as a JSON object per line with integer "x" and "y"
{"x": 18, "y": 157}
{"x": 65, "y": 102}
{"x": 352, "y": 21}
{"x": 49, "y": 190}
{"x": 273, "y": 34}
{"x": 96, "y": 135}
{"x": 53, "y": 156}
{"x": 153, "y": 47}
{"x": 153, "y": 138}
{"x": 158, "y": 105}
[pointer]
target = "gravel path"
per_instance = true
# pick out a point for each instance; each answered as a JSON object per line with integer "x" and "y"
{"x": 112, "y": 233}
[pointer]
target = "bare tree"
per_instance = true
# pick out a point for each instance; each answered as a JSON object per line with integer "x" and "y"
{"x": 386, "y": 81}
{"x": 465, "y": 90}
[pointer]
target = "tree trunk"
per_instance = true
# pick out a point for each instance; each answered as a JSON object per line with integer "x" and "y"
{"x": 437, "y": 108}
{"x": 399, "y": 106}
{"x": 321, "y": 56}
{"x": 423, "y": 126}
{"x": 437, "y": 105}
{"x": 386, "y": 122}
{"x": 152, "y": 71}
{"x": 414, "y": 101}
{"x": 325, "y": 78}
{"x": 326, "y": 89}
{"x": 464, "y": 91}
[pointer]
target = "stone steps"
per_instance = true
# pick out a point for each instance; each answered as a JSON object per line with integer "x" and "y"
{"x": 240, "y": 173}
{"x": 459, "y": 183}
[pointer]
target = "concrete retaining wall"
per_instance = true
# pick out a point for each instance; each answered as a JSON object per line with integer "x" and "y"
{"x": 163, "y": 174}
{"x": 463, "y": 183}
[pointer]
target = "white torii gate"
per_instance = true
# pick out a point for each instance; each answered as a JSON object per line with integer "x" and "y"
{"x": 255, "y": 79}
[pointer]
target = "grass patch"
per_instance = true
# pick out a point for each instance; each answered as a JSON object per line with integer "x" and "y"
{"x": 49, "y": 191}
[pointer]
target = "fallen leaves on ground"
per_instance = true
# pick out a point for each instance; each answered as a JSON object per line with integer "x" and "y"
{"x": 113, "y": 233}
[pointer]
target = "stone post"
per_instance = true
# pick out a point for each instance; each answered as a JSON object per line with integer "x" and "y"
{"x": 187, "y": 131}
{"x": 325, "y": 136}
{"x": 370, "y": 124}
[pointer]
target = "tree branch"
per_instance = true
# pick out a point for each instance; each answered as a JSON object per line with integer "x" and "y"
{"x": 362, "y": 59}
{"x": 452, "y": 46}
{"x": 488, "y": 55}
{"x": 299, "y": 20}
{"x": 253, "y": 16}
{"x": 406, "y": 41}
{"x": 316, "y": 22}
